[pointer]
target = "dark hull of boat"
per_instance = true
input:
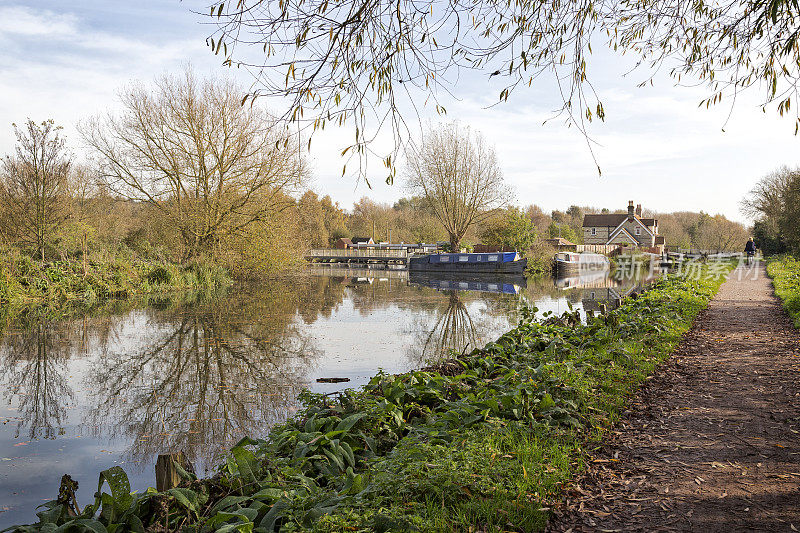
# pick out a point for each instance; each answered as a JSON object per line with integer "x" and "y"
{"x": 422, "y": 264}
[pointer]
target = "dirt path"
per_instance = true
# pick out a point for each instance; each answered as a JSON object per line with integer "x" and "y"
{"x": 712, "y": 443}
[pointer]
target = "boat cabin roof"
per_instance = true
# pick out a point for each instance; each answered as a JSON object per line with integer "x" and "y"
{"x": 501, "y": 257}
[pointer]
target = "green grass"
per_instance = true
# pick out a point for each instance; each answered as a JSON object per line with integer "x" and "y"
{"x": 487, "y": 449}
{"x": 71, "y": 283}
{"x": 785, "y": 273}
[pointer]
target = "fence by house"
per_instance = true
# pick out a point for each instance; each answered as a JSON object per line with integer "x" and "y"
{"x": 597, "y": 248}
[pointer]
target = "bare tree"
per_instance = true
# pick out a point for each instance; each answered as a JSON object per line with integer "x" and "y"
{"x": 33, "y": 187}
{"x": 765, "y": 201}
{"x": 774, "y": 203}
{"x": 189, "y": 148}
{"x": 459, "y": 176}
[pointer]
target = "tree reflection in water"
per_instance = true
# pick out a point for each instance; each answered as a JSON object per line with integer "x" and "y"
{"x": 208, "y": 374}
{"x": 450, "y": 329}
{"x": 34, "y": 366}
{"x": 195, "y": 376}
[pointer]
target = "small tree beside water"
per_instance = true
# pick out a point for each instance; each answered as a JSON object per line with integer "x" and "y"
{"x": 457, "y": 173}
{"x": 511, "y": 229}
{"x": 33, "y": 186}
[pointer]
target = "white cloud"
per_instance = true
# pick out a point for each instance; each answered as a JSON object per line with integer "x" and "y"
{"x": 60, "y": 66}
{"x": 20, "y": 21}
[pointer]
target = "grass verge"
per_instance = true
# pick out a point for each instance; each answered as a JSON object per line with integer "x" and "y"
{"x": 71, "y": 284}
{"x": 785, "y": 273}
{"x": 481, "y": 443}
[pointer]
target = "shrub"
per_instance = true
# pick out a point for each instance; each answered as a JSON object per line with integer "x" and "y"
{"x": 159, "y": 275}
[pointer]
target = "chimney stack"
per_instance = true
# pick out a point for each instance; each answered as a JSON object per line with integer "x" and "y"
{"x": 639, "y": 210}
{"x": 630, "y": 208}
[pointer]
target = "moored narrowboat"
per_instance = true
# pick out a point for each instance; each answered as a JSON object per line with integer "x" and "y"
{"x": 499, "y": 263}
{"x": 566, "y": 263}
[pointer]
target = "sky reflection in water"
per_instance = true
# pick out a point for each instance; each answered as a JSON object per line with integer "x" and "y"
{"x": 131, "y": 381}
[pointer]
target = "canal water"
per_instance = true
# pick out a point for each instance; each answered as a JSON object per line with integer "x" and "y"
{"x": 136, "y": 379}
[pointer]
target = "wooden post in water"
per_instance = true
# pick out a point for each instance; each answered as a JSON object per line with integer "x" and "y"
{"x": 167, "y": 476}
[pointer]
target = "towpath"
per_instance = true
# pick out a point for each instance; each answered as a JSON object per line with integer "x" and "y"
{"x": 712, "y": 442}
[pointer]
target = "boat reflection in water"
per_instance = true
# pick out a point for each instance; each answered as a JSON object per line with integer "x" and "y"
{"x": 483, "y": 283}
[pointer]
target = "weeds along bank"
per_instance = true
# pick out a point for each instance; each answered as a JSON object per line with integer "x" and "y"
{"x": 540, "y": 260}
{"x": 73, "y": 282}
{"x": 486, "y": 441}
{"x": 785, "y": 273}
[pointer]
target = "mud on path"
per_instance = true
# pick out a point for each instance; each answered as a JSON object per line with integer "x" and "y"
{"x": 712, "y": 442}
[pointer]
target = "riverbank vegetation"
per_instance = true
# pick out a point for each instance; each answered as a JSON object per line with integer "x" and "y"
{"x": 785, "y": 273}
{"x": 83, "y": 283}
{"x": 487, "y": 440}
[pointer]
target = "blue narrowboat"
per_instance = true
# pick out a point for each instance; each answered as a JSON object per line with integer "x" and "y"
{"x": 498, "y": 263}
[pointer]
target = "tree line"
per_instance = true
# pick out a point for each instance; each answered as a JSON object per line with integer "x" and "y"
{"x": 774, "y": 204}
{"x": 184, "y": 172}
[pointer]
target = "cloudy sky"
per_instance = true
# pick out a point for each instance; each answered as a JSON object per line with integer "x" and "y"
{"x": 67, "y": 60}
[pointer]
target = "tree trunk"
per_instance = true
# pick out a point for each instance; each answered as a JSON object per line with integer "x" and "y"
{"x": 455, "y": 244}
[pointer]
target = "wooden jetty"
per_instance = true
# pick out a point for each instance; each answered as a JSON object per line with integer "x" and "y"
{"x": 388, "y": 257}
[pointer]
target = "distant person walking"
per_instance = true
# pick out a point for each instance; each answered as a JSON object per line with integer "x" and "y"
{"x": 750, "y": 250}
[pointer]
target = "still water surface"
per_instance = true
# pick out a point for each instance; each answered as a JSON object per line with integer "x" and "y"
{"x": 129, "y": 382}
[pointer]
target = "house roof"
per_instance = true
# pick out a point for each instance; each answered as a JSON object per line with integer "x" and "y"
{"x": 610, "y": 219}
{"x": 622, "y": 231}
{"x": 613, "y": 220}
{"x": 344, "y": 240}
{"x": 359, "y": 240}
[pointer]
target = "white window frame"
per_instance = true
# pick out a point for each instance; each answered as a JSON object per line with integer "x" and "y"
{"x": 594, "y": 232}
{"x": 637, "y": 231}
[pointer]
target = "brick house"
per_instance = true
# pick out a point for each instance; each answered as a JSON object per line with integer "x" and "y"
{"x": 623, "y": 229}
{"x": 342, "y": 243}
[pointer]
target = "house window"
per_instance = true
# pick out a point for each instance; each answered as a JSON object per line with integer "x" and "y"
{"x": 594, "y": 232}
{"x": 638, "y": 231}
